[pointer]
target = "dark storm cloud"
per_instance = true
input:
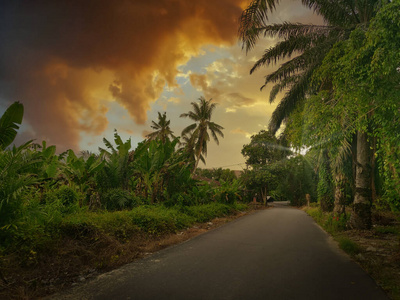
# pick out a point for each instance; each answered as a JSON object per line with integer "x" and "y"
{"x": 55, "y": 55}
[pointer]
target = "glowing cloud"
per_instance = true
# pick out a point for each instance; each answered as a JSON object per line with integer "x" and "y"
{"x": 65, "y": 59}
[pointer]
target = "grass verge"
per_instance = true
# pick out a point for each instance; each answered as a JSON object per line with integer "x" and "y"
{"x": 84, "y": 244}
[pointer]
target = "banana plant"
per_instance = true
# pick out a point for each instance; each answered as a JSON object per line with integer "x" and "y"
{"x": 15, "y": 177}
{"x": 9, "y": 124}
{"x": 160, "y": 169}
{"x": 117, "y": 171}
{"x": 81, "y": 171}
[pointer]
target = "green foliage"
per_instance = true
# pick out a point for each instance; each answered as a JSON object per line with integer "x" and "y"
{"x": 217, "y": 174}
{"x": 207, "y": 212}
{"x": 330, "y": 222}
{"x": 228, "y": 192}
{"x": 15, "y": 178}
{"x": 82, "y": 171}
{"x": 162, "y": 129}
{"x": 199, "y": 131}
{"x": 298, "y": 181}
{"x": 9, "y": 124}
{"x": 264, "y": 148}
{"x": 349, "y": 246}
{"x": 335, "y": 224}
{"x": 116, "y": 199}
{"x": 117, "y": 170}
{"x": 159, "y": 220}
{"x": 364, "y": 76}
{"x": 67, "y": 195}
{"x": 161, "y": 171}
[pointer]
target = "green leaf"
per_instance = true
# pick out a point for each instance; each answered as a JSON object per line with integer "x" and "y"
{"x": 9, "y": 124}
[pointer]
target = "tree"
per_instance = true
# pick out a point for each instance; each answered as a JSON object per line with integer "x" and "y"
{"x": 313, "y": 42}
{"x": 9, "y": 124}
{"x": 162, "y": 129}
{"x": 201, "y": 115}
{"x": 116, "y": 171}
{"x": 264, "y": 154}
{"x": 264, "y": 148}
{"x": 362, "y": 101}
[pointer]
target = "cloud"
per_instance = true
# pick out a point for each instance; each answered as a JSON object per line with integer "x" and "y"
{"x": 145, "y": 133}
{"x": 241, "y": 132}
{"x": 65, "y": 60}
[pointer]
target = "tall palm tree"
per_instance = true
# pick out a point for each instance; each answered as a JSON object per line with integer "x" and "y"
{"x": 162, "y": 129}
{"x": 309, "y": 44}
{"x": 201, "y": 115}
{"x": 187, "y": 143}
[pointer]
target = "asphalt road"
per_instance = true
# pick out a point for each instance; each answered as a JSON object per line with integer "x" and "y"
{"x": 278, "y": 253}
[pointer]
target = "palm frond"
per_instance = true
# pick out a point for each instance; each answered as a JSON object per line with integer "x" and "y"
{"x": 188, "y": 129}
{"x": 288, "y": 102}
{"x": 286, "y": 49}
{"x": 253, "y": 17}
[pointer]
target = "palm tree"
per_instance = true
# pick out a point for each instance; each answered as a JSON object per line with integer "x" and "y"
{"x": 201, "y": 115}
{"x": 162, "y": 130}
{"x": 187, "y": 144}
{"x": 309, "y": 44}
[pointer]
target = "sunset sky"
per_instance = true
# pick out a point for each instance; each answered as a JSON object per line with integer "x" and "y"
{"x": 85, "y": 68}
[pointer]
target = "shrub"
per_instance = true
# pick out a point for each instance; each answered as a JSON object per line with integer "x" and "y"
{"x": 116, "y": 199}
{"x": 67, "y": 195}
{"x": 206, "y": 212}
{"x": 159, "y": 219}
{"x": 335, "y": 223}
{"x": 349, "y": 246}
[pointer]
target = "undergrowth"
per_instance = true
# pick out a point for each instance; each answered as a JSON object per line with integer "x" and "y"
{"x": 66, "y": 244}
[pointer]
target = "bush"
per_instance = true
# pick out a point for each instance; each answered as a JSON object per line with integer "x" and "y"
{"x": 67, "y": 195}
{"x": 348, "y": 246}
{"x": 335, "y": 223}
{"x": 206, "y": 212}
{"x": 159, "y": 219}
{"x": 117, "y": 199}
{"x": 118, "y": 224}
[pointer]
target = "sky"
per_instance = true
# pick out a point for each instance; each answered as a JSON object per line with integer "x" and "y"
{"x": 85, "y": 68}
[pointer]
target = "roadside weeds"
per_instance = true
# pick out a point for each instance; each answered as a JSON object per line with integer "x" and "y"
{"x": 376, "y": 250}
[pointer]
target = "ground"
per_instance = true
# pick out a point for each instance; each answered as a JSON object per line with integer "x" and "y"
{"x": 80, "y": 258}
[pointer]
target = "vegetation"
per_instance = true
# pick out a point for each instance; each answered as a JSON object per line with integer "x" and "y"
{"x": 162, "y": 129}
{"x": 338, "y": 150}
{"x": 341, "y": 88}
{"x": 199, "y": 131}
{"x": 117, "y": 195}
{"x": 341, "y": 83}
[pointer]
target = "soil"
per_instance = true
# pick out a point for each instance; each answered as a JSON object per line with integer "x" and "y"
{"x": 77, "y": 259}
{"x": 379, "y": 251}
{"x": 379, "y": 256}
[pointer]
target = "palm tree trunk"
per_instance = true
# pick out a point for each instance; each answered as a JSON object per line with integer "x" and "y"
{"x": 340, "y": 198}
{"x": 361, "y": 215}
{"x": 199, "y": 154}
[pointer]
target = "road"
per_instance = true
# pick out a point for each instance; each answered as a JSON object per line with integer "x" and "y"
{"x": 279, "y": 253}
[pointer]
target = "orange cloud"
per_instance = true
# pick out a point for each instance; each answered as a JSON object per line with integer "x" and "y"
{"x": 64, "y": 59}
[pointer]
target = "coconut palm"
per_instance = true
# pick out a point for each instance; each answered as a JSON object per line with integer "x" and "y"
{"x": 162, "y": 130}
{"x": 201, "y": 115}
{"x": 187, "y": 144}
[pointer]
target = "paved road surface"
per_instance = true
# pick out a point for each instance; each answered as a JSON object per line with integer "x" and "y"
{"x": 278, "y": 253}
